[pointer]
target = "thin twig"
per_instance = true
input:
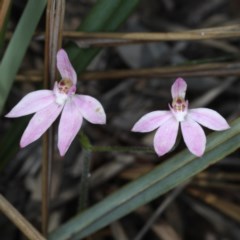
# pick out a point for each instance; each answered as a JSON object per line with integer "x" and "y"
{"x": 86, "y": 39}
{"x": 54, "y": 22}
{"x": 24, "y": 226}
{"x": 121, "y": 149}
{"x": 84, "y": 185}
{"x": 225, "y": 206}
{"x": 207, "y": 69}
{"x": 210, "y": 69}
{"x": 169, "y": 199}
{"x": 211, "y": 95}
{"x": 47, "y": 137}
{"x": 4, "y": 6}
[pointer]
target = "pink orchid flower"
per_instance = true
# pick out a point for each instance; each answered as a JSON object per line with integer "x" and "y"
{"x": 168, "y": 122}
{"x": 48, "y": 104}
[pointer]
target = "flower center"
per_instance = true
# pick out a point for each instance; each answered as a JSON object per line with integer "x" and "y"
{"x": 179, "y": 104}
{"x": 64, "y": 85}
{"x": 179, "y": 108}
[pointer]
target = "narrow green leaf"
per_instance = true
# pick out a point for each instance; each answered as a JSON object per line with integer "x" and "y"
{"x": 99, "y": 15}
{"x": 17, "y": 47}
{"x": 106, "y": 15}
{"x": 84, "y": 141}
{"x": 163, "y": 178}
{"x": 10, "y": 142}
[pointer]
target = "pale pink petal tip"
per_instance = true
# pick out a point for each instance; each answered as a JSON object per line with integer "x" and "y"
{"x": 90, "y": 108}
{"x": 70, "y": 123}
{"x": 65, "y": 67}
{"x": 32, "y": 103}
{"x": 179, "y": 88}
{"x": 165, "y": 137}
{"x": 194, "y": 137}
{"x": 209, "y": 118}
{"x": 151, "y": 121}
{"x": 39, "y": 123}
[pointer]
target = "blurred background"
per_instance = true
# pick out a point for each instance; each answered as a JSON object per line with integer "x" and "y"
{"x": 207, "y": 207}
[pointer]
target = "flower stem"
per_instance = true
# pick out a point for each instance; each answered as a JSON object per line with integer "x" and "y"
{"x": 46, "y": 162}
{"x": 88, "y": 149}
{"x": 86, "y": 144}
{"x": 121, "y": 149}
{"x": 84, "y": 185}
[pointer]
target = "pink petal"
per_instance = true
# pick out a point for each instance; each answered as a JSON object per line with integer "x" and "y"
{"x": 31, "y": 103}
{"x": 91, "y": 109}
{"x": 165, "y": 136}
{"x": 65, "y": 67}
{"x": 193, "y": 136}
{"x": 179, "y": 88}
{"x": 70, "y": 123}
{"x": 39, "y": 123}
{"x": 209, "y": 118}
{"x": 151, "y": 121}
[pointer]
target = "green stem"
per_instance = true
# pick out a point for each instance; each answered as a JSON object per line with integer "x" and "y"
{"x": 88, "y": 149}
{"x": 86, "y": 144}
{"x": 121, "y": 149}
{"x": 84, "y": 185}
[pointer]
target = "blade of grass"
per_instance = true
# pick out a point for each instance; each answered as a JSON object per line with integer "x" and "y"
{"x": 163, "y": 178}
{"x": 10, "y": 142}
{"x": 105, "y": 16}
{"x": 152, "y": 219}
{"x": 17, "y": 47}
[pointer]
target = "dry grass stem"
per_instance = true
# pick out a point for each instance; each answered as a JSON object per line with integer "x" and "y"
{"x": 228, "y": 208}
{"x": 167, "y": 201}
{"x": 86, "y": 39}
{"x": 4, "y": 6}
{"x": 208, "y": 69}
{"x": 24, "y": 226}
{"x": 54, "y": 22}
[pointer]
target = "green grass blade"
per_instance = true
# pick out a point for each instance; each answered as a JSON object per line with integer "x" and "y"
{"x": 163, "y": 178}
{"x": 10, "y": 141}
{"x": 99, "y": 15}
{"x": 17, "y": 47}
{"x": 105, "y": 16}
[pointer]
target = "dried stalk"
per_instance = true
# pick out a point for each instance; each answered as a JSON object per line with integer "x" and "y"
{"x": 169, "y": 199}
{"x": 84, "y": 184}
{"x": 207, "y": 69}
{"x": 54, "y": 22}
{"x": 228, "y": 208}
{"x": 86, "y": 39}
{"x": 4, "y": 6}
{"x": 210, "y": 69}
{"x": 24, "y": 226}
